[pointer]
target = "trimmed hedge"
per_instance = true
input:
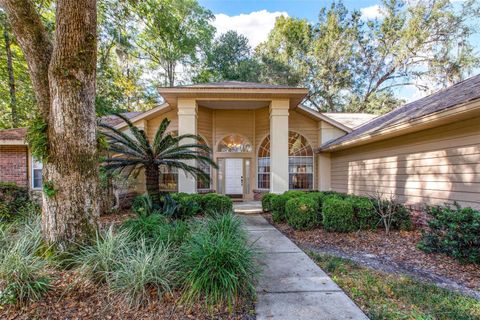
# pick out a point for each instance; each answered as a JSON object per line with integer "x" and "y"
{"x": 365, "y": 216}
{"x": 338, "y": 215}
{"x": 267, "y": 201}
{"x": 453, "y": 231}
{"x": 213, "y": 203}
{"x": 278, "y": 204}
{"x": 302, "y": 213}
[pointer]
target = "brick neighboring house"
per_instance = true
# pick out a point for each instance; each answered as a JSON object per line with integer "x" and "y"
{"x": 15, "y": 161}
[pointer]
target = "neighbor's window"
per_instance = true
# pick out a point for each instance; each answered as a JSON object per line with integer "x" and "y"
{"x": 263, "y": 164}
{"x": 204, "y": 167}
{"x": 300, "y": 163}
{"x": 37, "y": 167}
{"x": 234, "y": 143}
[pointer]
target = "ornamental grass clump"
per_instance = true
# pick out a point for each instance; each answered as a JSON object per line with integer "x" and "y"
{"x": 218, "y": 264}
{"x": 23, "y": 271}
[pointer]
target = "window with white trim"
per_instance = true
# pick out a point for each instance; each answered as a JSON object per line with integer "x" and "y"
{"x": 300, "y": 163}
{"x": 37, "y": 168}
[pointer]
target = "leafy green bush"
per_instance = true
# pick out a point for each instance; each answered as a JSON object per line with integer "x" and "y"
{"x": 267, "y": 201}
{"x": 278, "y": 204}
{"x": 188, "y": 205}
{"x": 302, "y": 213}
{"x": 365, "y": 215}
{"x": 338, "y": 215}
{"x": 393, "y": 215}
{"x": 23, "y": 273}
{"x": 12, "y": 200}
{"x": 218, "y": 265}
{"x": 454, "y": 231}
{"x": 143, "y": 205}
{"x": 214, "y": 203}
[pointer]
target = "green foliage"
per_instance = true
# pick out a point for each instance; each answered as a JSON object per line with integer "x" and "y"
{"x": 142, "y": 205}
{"x": 188, "y": 205}
{"x": 141, "y": 268}
{"x": 214, "y": 203}
{"x": 278, "y": 204}
{"x": 49, "y": 189}
{"x": 13, "y": 200}
{"x": 134, "y": 151}
{"x": 218, "y": 266}
{"x": 396, "y": 297}
{"x": 365, "y": 215}
{"x": 453, "y": 231}
{"x": 229, "y": 58}
{"x": 23, "y": 273}
{"x": 338, "y": 215}
{"x": 37, "y": 138}
{"x": 302, "y": 213}
{"x": 267, "y": 201}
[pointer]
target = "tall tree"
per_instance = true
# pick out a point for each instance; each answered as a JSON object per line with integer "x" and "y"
{"x": 172, "y": 33}
{"x": 353, "y": 64}
{"x": 63, "y": 76}
{"x": 11, "y": 76}
{"x": 229, "y": 58}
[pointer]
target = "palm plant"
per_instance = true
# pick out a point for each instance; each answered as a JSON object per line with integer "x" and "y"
{"x": 131, "y": 152}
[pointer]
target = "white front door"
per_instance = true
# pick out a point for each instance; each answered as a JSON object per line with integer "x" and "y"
{"x": 234, "y": 176}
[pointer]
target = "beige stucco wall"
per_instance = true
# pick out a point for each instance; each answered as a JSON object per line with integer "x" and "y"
{"x": 427, "y": 167}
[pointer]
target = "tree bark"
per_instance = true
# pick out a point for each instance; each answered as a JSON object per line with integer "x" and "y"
{"x": 11, "y": 76}
{"x": 63, "y": 75}
{"x": 152, "y": 176}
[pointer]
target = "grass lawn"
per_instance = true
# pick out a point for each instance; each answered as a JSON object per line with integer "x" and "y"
{"x": 384, "y": 296}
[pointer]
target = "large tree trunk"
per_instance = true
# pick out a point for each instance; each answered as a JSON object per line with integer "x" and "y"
{"x": 73, "y": 161}
{"x": 63, "y": 76}
{"x": 11, "y": 76}
{"x": 152, "y": 176}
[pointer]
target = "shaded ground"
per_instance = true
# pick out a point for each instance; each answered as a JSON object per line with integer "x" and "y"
{"x": 69, "y": 301}
{"x": 395, "y": 253}
{"x": 72, "y": 300}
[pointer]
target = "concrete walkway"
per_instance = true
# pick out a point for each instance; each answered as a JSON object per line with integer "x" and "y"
{"x": 247, "y": 207}
{"x": 292, "y": 286}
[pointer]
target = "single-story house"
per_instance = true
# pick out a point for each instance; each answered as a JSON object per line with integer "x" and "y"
{"x": 265, "y": 140}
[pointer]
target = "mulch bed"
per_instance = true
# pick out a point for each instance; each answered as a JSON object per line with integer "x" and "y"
{"x": 398, "y": 247}
{"x": 71, "y": 301}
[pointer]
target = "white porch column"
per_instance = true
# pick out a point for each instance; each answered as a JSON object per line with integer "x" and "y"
{"x": 279, "y": 145}
{"x": 187, "y": 124}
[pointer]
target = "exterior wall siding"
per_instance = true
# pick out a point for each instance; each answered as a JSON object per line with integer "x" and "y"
{"x": 432, "y": 166}
{"x": 14, "y": 165}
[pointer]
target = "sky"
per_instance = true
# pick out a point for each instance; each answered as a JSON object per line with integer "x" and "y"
{"x": 255, "y": 19}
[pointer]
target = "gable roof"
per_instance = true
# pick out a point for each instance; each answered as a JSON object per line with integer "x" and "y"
{"x": 113, "y": 120}
{"x": 351, "y": 120}
{"x": 455, "y": 96}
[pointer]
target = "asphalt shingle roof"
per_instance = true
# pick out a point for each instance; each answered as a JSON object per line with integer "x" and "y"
{"x": 460, "y": 93}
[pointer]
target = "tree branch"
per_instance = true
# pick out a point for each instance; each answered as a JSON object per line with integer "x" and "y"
{"x": 36, "y": 46}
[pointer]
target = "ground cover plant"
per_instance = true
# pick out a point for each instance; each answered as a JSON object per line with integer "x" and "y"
{"x": 204, "y": 261}
{"x": 384, "y": 296}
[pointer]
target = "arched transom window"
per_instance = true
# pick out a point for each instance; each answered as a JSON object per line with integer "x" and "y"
{"x": 234, "y": 143}
{"x": 300, "y": 163}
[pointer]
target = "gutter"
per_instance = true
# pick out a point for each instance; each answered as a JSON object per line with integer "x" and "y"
{"x": 399, "y": 128}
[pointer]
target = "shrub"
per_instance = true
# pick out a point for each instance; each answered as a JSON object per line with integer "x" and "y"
{"x": 393, "y": 215}
{"x": 278, "y": 204}
{"x": 453, "y": 231}
{"x": 214, "y": 203}
{"x": 23, "y": 273}
{"x": 267, "y": 201}
{"x": 302, "y": 213}
{"x": 338, "y": 215}
{"x": 217, "y": 263}
{"x": 142, "y": 205}
{"x": 188, "y": 205}
{"x": 12, "y": 199}
{"x": 141, "y": 268}
{"x": 365, "y": 215}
